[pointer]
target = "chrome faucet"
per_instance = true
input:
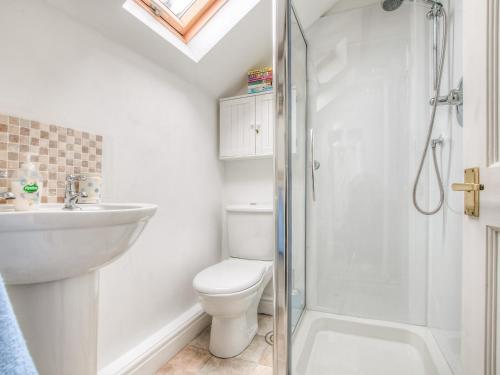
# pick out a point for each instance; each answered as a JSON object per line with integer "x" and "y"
{"x": 7, "y": 195}
{"x": 71, "y": 196}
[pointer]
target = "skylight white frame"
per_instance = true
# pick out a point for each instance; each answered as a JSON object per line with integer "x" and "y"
{"x": 190, "y": 22}
{"x": 212, "y": 32}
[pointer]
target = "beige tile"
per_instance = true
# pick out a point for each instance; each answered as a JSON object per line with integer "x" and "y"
{"x": 188, "y": 361}
{"x": 267, "y": 357}
{"x": 255, "y": 350}
{"x": 18, "y": 137}
{"x": 231, "y": 366}
{"x": 263, "y": 370}
{"x": 265, "y": 324}
{"x": 12, "y": 147}
{"x": 203, "y": 339}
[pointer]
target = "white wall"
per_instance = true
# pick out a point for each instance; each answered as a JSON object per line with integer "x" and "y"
{"x": 160, "y": 146}
{"x": 248, "y": 181}
{"x": 445, "y": 245}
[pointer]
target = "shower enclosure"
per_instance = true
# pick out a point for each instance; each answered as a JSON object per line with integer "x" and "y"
{"x": 365, "y": 282}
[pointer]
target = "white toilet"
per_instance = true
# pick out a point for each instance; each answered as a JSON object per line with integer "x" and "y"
{"x": 230, "y": 291}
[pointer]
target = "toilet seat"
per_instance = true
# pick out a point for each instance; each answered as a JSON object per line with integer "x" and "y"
{"x": 231, "y": 276}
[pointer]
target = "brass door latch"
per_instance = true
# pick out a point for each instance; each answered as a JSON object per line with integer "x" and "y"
{"x": 471, "y": 188}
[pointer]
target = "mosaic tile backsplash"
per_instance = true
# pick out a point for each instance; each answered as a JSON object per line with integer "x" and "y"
{"x": 56, "y": 151}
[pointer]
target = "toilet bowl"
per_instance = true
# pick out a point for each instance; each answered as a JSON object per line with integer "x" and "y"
{"x": 230, "y": 291}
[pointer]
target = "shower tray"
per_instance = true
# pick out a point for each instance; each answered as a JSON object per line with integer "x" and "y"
{"x": 327, "y": 344}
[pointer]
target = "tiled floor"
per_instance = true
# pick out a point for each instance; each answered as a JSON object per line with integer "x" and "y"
{"x": 195, "y": 359}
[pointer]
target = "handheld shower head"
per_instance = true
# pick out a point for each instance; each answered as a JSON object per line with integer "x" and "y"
{"x": 390, "y": 5}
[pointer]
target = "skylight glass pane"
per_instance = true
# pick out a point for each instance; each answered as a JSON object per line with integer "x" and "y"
{"x": 178, "y": 7}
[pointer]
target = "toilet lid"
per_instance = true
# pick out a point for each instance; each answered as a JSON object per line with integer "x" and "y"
{"x": 230, "y": 276}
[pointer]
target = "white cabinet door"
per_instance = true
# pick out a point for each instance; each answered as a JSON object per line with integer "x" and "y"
{"x": 264, "y": 115}
{"x": 237, "y": 127}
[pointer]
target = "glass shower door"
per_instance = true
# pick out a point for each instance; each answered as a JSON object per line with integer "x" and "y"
{"x": 290, "y": 67}
{"x": 297, "y": 170}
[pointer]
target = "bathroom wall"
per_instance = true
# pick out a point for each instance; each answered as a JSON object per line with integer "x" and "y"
{"x": 160, "y": 146}
{"x": 248, "y": 181}
{"x": 445, "y": 237}
{"x": 368, "y": 104}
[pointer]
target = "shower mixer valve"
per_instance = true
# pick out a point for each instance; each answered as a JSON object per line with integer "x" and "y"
{"x": 437, "y": 141}
{"x": 455, "y": 97}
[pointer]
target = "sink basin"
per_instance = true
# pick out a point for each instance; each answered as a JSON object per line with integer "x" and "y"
{"x": 50, "y": 259}
{"x": 53, "y": 244}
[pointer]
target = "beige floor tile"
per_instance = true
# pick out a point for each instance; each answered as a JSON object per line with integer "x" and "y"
{"x": 263, "y": 370}
{"x": 195, "y": 359}
{"x": 265, "y": 324}
{"x": 203, "y": 339}
{"x": 255, "y": 350}
{"x": 267, "y": 357}
{"x": 231, "y": 366}
{"x": 188, "y": 361}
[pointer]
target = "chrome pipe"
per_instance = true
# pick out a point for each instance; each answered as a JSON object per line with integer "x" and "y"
{"x": 435, "y": 55}
{"x": 434, "y": 14}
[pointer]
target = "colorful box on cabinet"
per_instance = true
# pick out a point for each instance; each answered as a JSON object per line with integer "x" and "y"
{"x": 55, "y": 150}
{"x": 260, "y": 80}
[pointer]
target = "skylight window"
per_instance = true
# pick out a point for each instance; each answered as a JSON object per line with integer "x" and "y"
{"x": 183, "y": 17}
{"x": 178, "y": 7}
{"x": 194, "y": 27}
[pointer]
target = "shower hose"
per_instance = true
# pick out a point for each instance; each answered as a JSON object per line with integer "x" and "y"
{"x": 429, "y": 132}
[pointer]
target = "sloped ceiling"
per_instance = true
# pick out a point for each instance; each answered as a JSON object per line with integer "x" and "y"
{"x": 222, "y": 72}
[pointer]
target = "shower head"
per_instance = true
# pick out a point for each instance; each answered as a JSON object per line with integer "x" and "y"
{"x": 390, "y": 5}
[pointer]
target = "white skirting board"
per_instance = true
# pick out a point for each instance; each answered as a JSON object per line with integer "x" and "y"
{"x": 156, "y": 350}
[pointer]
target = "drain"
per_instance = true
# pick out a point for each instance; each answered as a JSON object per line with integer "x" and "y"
{"x": 270, "y": 337}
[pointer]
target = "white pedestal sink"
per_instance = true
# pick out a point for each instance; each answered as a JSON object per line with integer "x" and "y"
{"x": 49, "y": 259}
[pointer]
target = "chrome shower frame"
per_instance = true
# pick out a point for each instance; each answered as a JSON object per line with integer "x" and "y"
{"x": 282, "y": 16}
{"x": 281, "y": 279}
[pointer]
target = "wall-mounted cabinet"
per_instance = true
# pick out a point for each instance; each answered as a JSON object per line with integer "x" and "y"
{"x": 246, "y": 126}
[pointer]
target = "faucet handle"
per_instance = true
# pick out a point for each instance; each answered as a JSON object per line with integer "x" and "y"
{"x": 75, "y": 177}
{"x": 4, "y": 174}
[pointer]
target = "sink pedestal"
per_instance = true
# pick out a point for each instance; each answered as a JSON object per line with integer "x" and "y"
{"x": 49, "y": 260}
{"x": 59, "y": 323}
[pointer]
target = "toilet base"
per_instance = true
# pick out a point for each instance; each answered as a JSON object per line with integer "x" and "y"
{"x": 230, "y": 336}
{"x": 234, "y": 317}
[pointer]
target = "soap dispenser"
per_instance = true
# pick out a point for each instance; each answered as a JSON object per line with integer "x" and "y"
{"x": 27, "y": 187}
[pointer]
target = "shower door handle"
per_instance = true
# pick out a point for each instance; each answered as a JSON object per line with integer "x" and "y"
{"x": 314, "y": 166}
